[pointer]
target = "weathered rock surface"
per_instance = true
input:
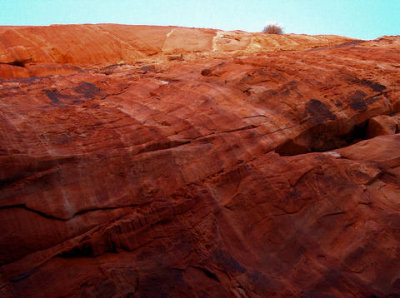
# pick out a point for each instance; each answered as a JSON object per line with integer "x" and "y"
{"x": 198, "y": 167}
{"x": 383, "y": 125}
{"x": 36, "y": 51}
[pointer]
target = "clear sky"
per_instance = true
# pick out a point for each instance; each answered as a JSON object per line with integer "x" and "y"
{"x": 364, "y": 19}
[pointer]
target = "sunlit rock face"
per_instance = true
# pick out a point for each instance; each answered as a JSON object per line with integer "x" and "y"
{"x": 140, "y": 161}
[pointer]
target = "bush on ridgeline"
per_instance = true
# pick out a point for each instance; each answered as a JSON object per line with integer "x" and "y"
{"x": 273, "y": 29}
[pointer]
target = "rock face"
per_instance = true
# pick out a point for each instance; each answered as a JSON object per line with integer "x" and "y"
{"x": 62, "y": 49}
{"x": 208, "y": 163}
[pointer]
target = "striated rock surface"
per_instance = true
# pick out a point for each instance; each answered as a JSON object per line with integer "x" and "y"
{"x": 36, "y": 51}
{"x": 141, "y": 161}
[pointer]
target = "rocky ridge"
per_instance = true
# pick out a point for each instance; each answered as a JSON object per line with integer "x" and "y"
{"x": 197, "y": 162}
{"x": 63, "y": 49}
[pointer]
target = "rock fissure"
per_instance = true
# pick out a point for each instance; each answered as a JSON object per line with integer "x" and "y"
{"x": 208, "y": 273}
{"x": 320, "y": 138}
{"x": 49, "y": 216}
{"x": 19, "y": 63}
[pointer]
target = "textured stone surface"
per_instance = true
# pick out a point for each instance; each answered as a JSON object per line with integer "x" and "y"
{"x": 383, "y": 125}
{"x": 36, "y": 51}
{"x": 198, "y": 168}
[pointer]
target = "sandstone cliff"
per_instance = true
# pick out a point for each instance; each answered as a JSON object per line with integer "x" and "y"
{"x": 141, "y": 161}
{"x": 60, "y": 49}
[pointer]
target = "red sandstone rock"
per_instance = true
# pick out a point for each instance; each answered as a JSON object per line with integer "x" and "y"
{"x": 7, "y": 71}
{"x": 105, "y": 44}
{"x": 383, "y": 125}
{"x": 229, "y": 172}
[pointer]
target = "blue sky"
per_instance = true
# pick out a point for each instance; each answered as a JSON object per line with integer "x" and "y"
{"x": 364, "y": 19}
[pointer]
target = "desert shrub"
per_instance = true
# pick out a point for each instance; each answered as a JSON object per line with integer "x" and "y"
{"x": 273, "y": 29}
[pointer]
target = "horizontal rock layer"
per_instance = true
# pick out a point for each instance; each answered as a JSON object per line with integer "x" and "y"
{"x": 216, "y": 173}
{"x": 37, "y": 51}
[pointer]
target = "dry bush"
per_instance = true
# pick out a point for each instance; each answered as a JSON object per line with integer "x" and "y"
{"x": 273, "y": 29}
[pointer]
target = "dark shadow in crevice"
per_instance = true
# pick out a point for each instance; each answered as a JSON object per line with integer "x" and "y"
{"x": 19, "y": 63}
{"x": 83, "y": 251}
{"x": 320, "y": 139}
{"x": 208, "y": 273}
